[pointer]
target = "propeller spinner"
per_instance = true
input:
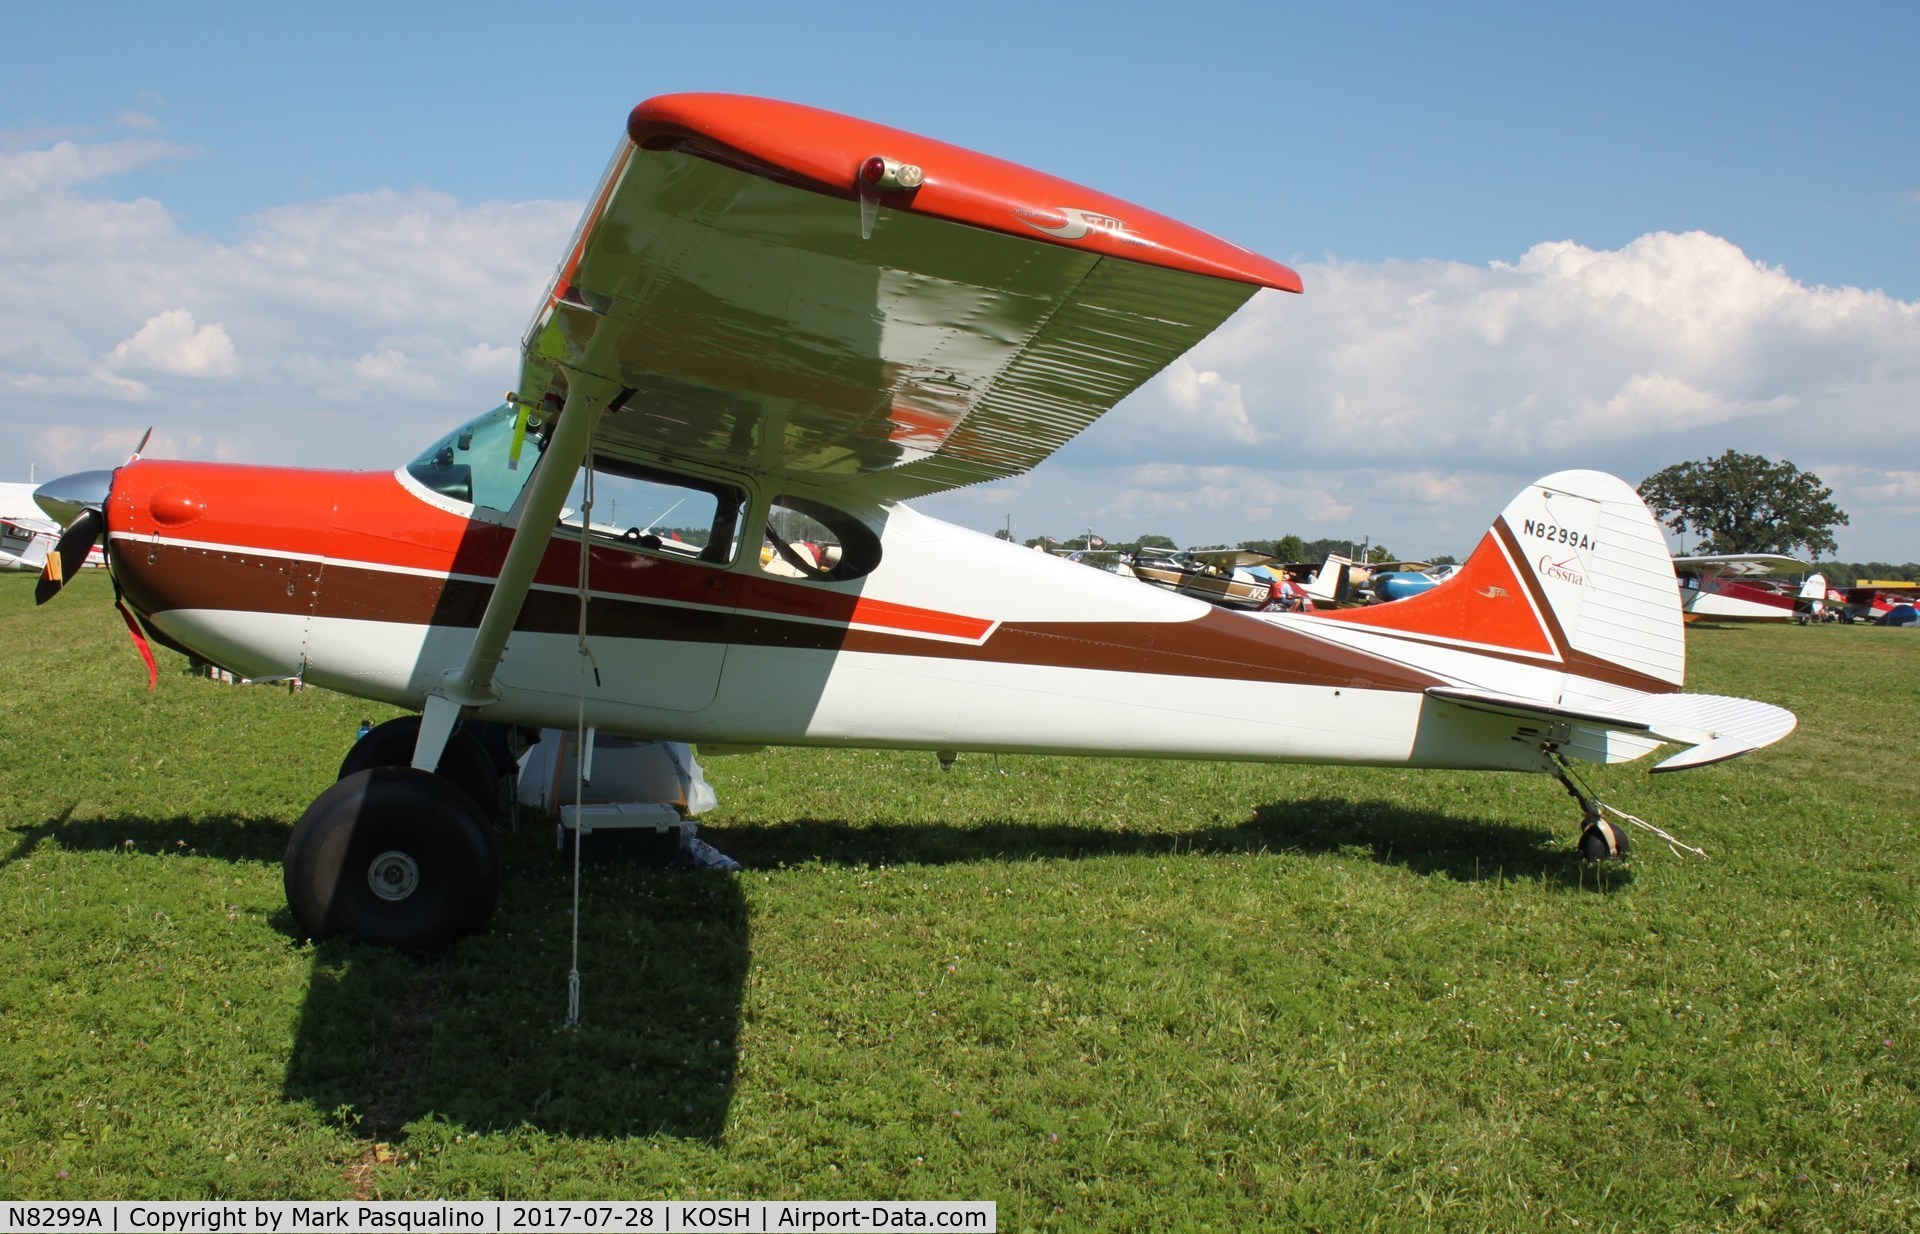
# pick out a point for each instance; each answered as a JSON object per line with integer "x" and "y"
{"x": 78, "y": 502}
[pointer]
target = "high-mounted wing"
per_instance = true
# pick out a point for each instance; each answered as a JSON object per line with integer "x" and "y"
{"x": 1230, "y": 558}
{"x": 1739, "y": 565}
{"x": 816, "y": 298}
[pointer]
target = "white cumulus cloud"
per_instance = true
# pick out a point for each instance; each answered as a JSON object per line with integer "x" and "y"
{"x": 1675, "y": 346}
{"x": 367, "y": 323}
{"x": 169, "y": 342}
{"x": 1408, "y": 400}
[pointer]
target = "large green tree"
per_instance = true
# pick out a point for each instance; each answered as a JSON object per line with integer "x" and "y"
{"x": 1745, "y": 503}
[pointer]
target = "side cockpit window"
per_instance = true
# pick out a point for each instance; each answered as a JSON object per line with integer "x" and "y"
{"x": 808, "y": 540}
{"x": 484, "y": 462}
{"x": 657, "y": 511}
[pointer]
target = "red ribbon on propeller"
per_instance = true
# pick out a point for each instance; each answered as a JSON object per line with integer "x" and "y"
{"x": 140, "y": 644}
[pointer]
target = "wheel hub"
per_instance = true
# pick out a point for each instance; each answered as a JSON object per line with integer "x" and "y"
{"x": 393, "y": 875}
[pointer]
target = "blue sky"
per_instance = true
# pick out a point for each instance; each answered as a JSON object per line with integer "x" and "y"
{"x": 430, "y": 159}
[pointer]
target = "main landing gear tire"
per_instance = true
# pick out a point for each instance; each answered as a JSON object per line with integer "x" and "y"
{"x": 391, "y": 856}
{"x": 464, "y": 762}
{"x": 1603, "y": 841}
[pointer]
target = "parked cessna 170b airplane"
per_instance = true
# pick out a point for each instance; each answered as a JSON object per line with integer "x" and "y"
{"x": 1734, "y": 587}
{"x": 775, "y": 326}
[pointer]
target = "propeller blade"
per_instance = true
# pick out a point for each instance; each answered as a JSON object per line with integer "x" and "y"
{"x": 70, "y": 554}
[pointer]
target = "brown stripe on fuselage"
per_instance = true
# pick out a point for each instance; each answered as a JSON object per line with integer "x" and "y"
{"x": 156, "y": 577}
{"x": 1219, "y": 644}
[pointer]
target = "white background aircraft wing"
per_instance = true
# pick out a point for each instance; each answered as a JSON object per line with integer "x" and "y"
{"x": 1738, "y": 565}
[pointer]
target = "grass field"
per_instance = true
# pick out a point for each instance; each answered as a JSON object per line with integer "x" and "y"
{"x": 1114, "y": 995}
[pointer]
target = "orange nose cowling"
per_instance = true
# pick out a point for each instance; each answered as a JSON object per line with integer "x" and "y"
{"x": 230, "y": 562}
{"x": 219, "y": 537}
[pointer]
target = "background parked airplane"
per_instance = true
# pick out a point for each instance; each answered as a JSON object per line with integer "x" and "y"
{"x": 1742, "y": 587}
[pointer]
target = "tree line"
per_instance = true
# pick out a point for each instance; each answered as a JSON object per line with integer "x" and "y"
{"x": 1736, "y": 503}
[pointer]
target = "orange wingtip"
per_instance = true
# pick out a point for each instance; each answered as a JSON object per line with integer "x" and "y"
{"x": 827, "y": 149}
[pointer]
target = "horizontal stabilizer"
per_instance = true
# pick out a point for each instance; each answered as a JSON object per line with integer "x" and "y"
{"x": 1729, "y": 726}
{"x": 1712, "y": 727}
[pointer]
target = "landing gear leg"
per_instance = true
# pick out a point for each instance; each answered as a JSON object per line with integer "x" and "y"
{"x": 1600, "y": 838}
{"x": 465, "y": 761}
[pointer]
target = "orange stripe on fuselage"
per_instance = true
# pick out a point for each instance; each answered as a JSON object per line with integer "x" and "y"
{"x": 893, "y": 616}
{"x": 369, "y": 518}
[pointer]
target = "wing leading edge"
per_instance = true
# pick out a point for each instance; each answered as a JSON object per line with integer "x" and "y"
{"x": 772, "y": 316}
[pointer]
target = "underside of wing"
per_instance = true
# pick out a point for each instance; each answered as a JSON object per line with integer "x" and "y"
{"x": 1712, "y": 727}
{"x": 773, "y": 310}
{"x": 1229, "y": 558}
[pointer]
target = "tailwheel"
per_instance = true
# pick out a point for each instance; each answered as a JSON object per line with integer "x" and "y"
{"x": 465, "y": 761}
{"x": 1601, "y": 840}
{"x": 394, "y": 857}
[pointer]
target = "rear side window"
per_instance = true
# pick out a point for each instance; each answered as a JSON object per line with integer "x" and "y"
{"x": 809, "y": 540}
{"x": 658, "y": 511}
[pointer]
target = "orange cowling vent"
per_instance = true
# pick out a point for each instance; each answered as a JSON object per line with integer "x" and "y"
{"x": 176, "y": 505}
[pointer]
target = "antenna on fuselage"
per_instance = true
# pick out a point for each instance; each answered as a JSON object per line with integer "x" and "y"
{"x": 656, "y": 518}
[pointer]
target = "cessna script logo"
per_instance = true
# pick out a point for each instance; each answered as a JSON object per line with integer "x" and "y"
{"x": 1067, "y": 223}
{"x": 1566, "y": 571}
{"x": 1562, "y": 570}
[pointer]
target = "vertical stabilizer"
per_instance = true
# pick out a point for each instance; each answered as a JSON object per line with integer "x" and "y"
{"x": 1575, "y": 572}
{"x": 1333, "y": 584}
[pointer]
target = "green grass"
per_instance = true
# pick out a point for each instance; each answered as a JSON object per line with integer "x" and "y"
{"x": 1104, "y": 994}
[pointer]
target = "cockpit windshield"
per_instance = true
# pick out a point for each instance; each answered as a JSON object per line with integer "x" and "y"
{"x": 475, "y": 463}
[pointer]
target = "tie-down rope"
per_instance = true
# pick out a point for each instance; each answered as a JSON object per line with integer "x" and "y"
{"x": 580, "y": 725}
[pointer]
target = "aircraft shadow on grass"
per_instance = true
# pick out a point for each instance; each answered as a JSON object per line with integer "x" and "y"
{"x": 227, "y": 836}
{"x": 475, "y": 1038}
{"x": 1423, "y": 841}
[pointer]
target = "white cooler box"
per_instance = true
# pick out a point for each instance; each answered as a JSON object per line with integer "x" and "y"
{"x": 646, "y": 832}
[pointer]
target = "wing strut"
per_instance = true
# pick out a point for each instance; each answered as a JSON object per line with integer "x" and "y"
{"x": 471, "y": 685}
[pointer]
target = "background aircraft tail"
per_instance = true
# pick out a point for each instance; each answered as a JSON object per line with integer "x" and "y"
{"x": 1334, "y": 582}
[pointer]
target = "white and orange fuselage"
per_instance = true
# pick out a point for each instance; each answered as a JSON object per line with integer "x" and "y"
{"x": 370, "y": 584}
{"x": 1728, "y": 599}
